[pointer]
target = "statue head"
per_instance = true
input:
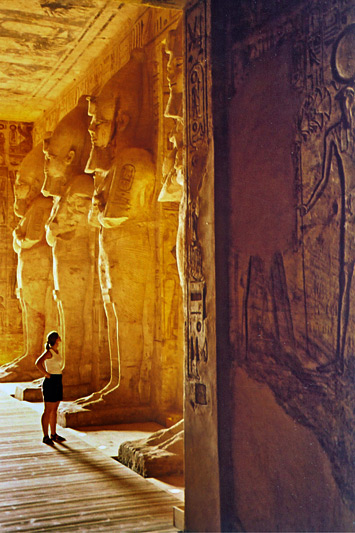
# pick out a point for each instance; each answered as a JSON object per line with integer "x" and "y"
{"x": 66, "y": 150}
{"x": 175, "y": 73}
{"x": 115, "y": 114}
{"x": 29, "y": 180}
{"x": 70, "y": 213}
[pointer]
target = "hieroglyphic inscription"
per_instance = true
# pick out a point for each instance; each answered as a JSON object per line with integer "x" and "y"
{"x": 197, "y": 127}
{"x": 197, "y": 90}
{"x": 310, "y": 33}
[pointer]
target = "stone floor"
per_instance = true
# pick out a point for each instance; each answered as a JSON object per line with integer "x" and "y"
{"x": 31, "y": 471}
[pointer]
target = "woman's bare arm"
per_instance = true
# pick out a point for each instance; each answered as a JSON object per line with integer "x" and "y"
{"x": 40, "y": 363}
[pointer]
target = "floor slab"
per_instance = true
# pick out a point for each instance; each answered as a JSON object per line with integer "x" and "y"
{"x": 71, "y": 487}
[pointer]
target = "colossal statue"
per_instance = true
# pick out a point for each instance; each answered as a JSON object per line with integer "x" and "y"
{"x": 163, "y": 451}
{"x": 73, "y": 241}
{"x": 34, "y": 269}
{"x": 122, "y": 207}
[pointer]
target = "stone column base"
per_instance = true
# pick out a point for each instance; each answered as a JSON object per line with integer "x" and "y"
{"x": 179, "y": 517}
{"x": 161, "y": 454}
{"x": 32, "y": 391}
{"x": 73, "y": 415}
{"x": 29, "y": 392}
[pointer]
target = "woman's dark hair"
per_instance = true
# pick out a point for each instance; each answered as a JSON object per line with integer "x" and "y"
{"x": 51, "y": 339}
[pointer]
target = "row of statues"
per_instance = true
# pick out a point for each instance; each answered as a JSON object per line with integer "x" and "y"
{"x": 90, "y": 192}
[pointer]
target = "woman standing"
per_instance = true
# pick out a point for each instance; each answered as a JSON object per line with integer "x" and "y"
{"x": 51, "y": 365}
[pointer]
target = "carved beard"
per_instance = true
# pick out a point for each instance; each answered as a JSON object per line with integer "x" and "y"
{"x": 53, "y": 187}
{"x": 20, "y": 207}
{"x": 174, "y": 106}
{"x": 99, "y": 159}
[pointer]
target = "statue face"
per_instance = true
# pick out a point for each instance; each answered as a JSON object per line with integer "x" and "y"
{"x": 28, "y": 182}
{"x": 26, "y": 188}
{"x": 175, "y": 75}
{"x": 101, "y": 111}
{"x": 66, "y": 151}
{"x": 55, "y": 168}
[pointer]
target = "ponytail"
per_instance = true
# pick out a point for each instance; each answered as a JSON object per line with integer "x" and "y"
{"x": 51, "y": 339}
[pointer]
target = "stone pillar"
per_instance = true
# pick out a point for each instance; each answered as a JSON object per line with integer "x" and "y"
{"x": 202, "y": 499}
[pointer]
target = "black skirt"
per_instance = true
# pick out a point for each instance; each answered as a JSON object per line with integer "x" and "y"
{"x": 53, "y": 388}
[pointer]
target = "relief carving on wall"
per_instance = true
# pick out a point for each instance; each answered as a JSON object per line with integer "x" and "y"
{"x": 197, "y": 147}
{"x": 293, "y": 308}
{"x": 15, "y": 143}
{"x": 172, "y": 194}
{"x": 338, "y": 164}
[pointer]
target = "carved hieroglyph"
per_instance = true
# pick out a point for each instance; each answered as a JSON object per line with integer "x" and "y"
{"x": 73, "y": 244}
{"x": 292, "y": 263}
{"x": 197, "y": 151}
{"x": 123, "y": 204}
{"x": 34, "y": 270}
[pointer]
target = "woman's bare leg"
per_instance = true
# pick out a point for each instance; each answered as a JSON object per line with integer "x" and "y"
{"x": 53, "y": 417}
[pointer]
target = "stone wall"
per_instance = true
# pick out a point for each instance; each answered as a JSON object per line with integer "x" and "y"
{"x": 291, "y": 262}
{"x": 15, "y": 143}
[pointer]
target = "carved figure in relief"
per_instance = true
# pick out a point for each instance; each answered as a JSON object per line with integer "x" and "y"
{"x": 315, "y": 112}
{"x": 34, "y": 269}
{"x": 173, "y": 187}
{"x": 122, "y": 207}
{"x": 339, "y": 149}
{"x": 72, "y": 240}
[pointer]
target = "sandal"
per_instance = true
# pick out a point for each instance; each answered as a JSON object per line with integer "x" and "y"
{"x": 57, "y": 438}
{"x": 48, "y": 440}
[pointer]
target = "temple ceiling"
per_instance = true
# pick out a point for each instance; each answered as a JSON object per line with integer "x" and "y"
{"x": 45, "y": 46}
